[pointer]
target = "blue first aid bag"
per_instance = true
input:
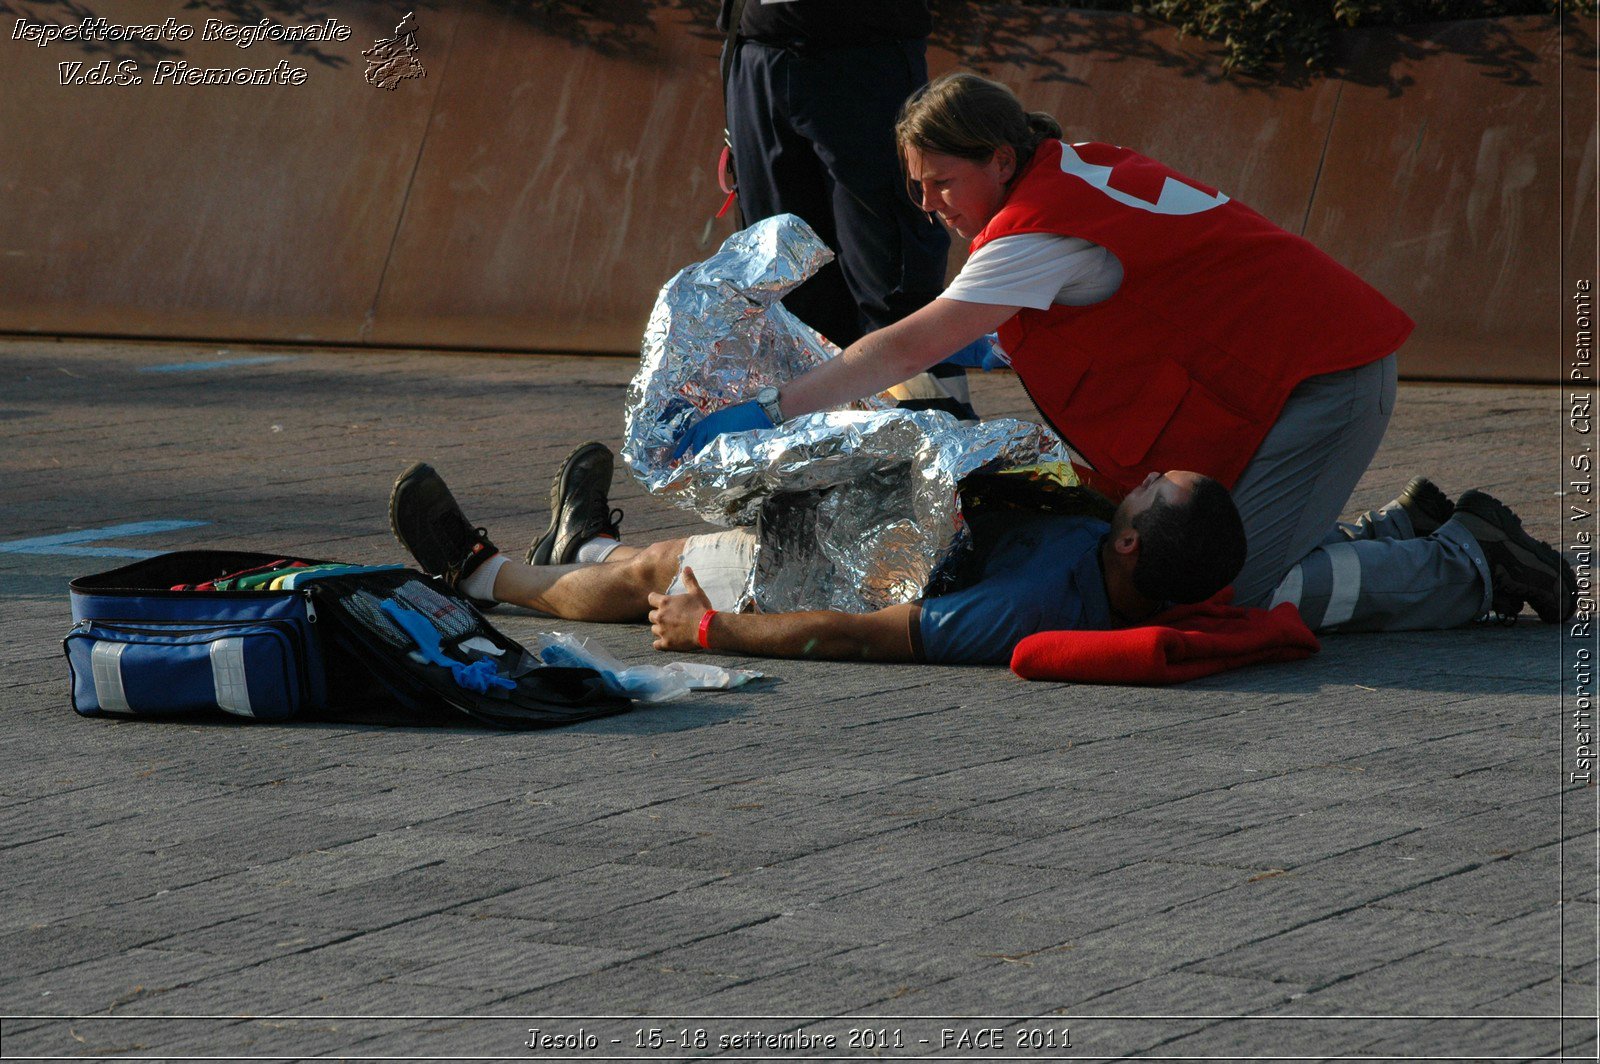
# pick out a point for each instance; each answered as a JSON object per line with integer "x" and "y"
{"x": 138, "y": 647}
{"x": 146, "y": 641}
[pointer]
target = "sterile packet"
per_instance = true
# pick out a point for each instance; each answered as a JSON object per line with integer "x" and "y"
{"x": 647, "y": 683}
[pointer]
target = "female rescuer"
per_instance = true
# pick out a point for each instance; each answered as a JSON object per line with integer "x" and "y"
{"x": 1158, "y": 324}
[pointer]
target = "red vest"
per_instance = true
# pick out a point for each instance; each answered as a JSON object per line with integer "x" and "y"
{"x": 1219, "y": 315}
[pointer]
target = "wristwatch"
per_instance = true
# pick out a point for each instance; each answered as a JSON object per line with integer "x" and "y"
{"x": 767, "y": 400}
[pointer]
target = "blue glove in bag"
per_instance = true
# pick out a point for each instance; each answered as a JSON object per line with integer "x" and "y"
{"x": 740, "y": 417}
{"x": 477, "y": 677}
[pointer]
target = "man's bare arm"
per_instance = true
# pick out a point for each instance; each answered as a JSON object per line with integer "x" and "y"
{"x": 883, "y": 635}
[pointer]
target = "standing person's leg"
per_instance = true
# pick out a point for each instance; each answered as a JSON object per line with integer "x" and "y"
{"x": 845, "y": 101}
{"x": 1291, "y": 495}
{"x": 892, "y": 256}
{"x": 778, "y": 172}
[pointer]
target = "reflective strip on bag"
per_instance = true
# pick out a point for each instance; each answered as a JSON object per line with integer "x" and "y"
{"x": 105, "y": 664}
{"x": 228, "y": 677}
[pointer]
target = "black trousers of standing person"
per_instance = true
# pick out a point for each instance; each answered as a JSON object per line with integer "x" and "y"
{"x": 813, "y": 135}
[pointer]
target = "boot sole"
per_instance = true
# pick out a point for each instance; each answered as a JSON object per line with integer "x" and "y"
{"x": 1533, "y": 554}
{"x": 416, "y": 469}
{"x": 544, "y": 547}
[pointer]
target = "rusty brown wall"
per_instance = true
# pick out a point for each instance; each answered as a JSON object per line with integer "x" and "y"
{"x": 241, "y": 212}
{"x": 1448, "y": 185}
{"x": 554, "y": 168}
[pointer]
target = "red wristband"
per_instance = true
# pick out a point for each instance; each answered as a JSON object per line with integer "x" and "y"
{"x": 703, "y": 637}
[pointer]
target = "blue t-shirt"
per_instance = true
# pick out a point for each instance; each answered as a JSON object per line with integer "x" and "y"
{"x": 1039, "y": 573}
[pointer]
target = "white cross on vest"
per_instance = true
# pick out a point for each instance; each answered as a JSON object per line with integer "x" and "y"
{"x": 1176, "y": 196}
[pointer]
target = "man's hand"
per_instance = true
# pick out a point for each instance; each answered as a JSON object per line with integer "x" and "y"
{"x": 675, "y": 619}
{"x": 740, "y": 417}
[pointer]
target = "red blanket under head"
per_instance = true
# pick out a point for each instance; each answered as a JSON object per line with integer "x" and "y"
{"x": 1184, "y": 643}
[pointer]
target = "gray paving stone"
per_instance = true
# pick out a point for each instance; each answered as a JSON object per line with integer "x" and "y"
{"x": 587, "y": 893}
{"x": 761, "y": 950}
{"x": 832, "y": 925}
{"x": 830, "y": 986}
{"x": 1385, "y": 870}
{"x": 164, "y": 911}
{"x": 932, "y": 956}
{"x": 944, "y": 894}
{"x": 1216, "y": 923}
{"x": 389, "y": 997}
{"x": 402, "y": 895}
{"x": 644, "y": 986}
{"x": 897, "y": 840}
{"x": 250, "y": 939}
{"x": 1584, "y": 973}
{"x": 1499, "y": 887}
{"x": 1192, "y": 993}
{"x": 1543, "y": 999}
{"x": 726, "y": 851}
{"x": 1343, "y": 944}
{"x": 1045, "y": 811}
{"x": 535, "y": 964}
{"x": 32, "y": 951}
{"x": 1109, "y": 844}
{"x": 1441, "y": 981}
{"x": 237, "y": 991}
{"x": 1535, "y": 936}
{"x": 137, "y": 976}
{"x": 655, "y": 926}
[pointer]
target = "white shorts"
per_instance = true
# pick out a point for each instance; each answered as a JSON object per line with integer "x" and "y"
{"x": 722, "y": 562}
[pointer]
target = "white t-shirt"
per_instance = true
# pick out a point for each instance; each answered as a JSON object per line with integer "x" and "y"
{"x": 1035, "y": 270}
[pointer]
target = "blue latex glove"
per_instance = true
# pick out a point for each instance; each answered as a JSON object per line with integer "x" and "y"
{"x": 477, "y": 677}
{"x": 982, "y": 353}
{"x": 740, "y": 417}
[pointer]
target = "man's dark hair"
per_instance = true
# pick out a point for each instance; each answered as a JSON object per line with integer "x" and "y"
{"x": 1188, "y": 553}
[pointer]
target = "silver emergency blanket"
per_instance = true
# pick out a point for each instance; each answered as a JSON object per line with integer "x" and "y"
{"x": 856, "y": 509}
{"x": 718, "y": 335}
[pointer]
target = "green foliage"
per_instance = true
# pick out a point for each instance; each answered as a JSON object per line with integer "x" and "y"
{"x": 1262, "y": 35}
{"x": 1257, "y": 34}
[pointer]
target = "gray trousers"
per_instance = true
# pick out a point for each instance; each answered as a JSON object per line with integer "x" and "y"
{"x": 1370, "y": 575}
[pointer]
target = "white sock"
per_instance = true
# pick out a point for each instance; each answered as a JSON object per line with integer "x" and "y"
{"x": 597, "y": 549}
{"x": 480, "y": 585}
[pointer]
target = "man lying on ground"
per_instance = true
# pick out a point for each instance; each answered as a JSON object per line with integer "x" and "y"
{"x": 1176, "y": 538}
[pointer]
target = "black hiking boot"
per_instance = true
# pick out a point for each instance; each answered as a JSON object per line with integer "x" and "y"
{"x": 579, "y": 510}
{"x": 1426, "y": 505}
{"x": 428, "y": 522}
{"x": 1521, "y": 568}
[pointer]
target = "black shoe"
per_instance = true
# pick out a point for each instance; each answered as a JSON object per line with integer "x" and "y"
{"x": 1426, "y": 505}
{"x": 579, "y": 510}
{"x": 427, "y": 521}
{"x": 1521, "y": 568}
